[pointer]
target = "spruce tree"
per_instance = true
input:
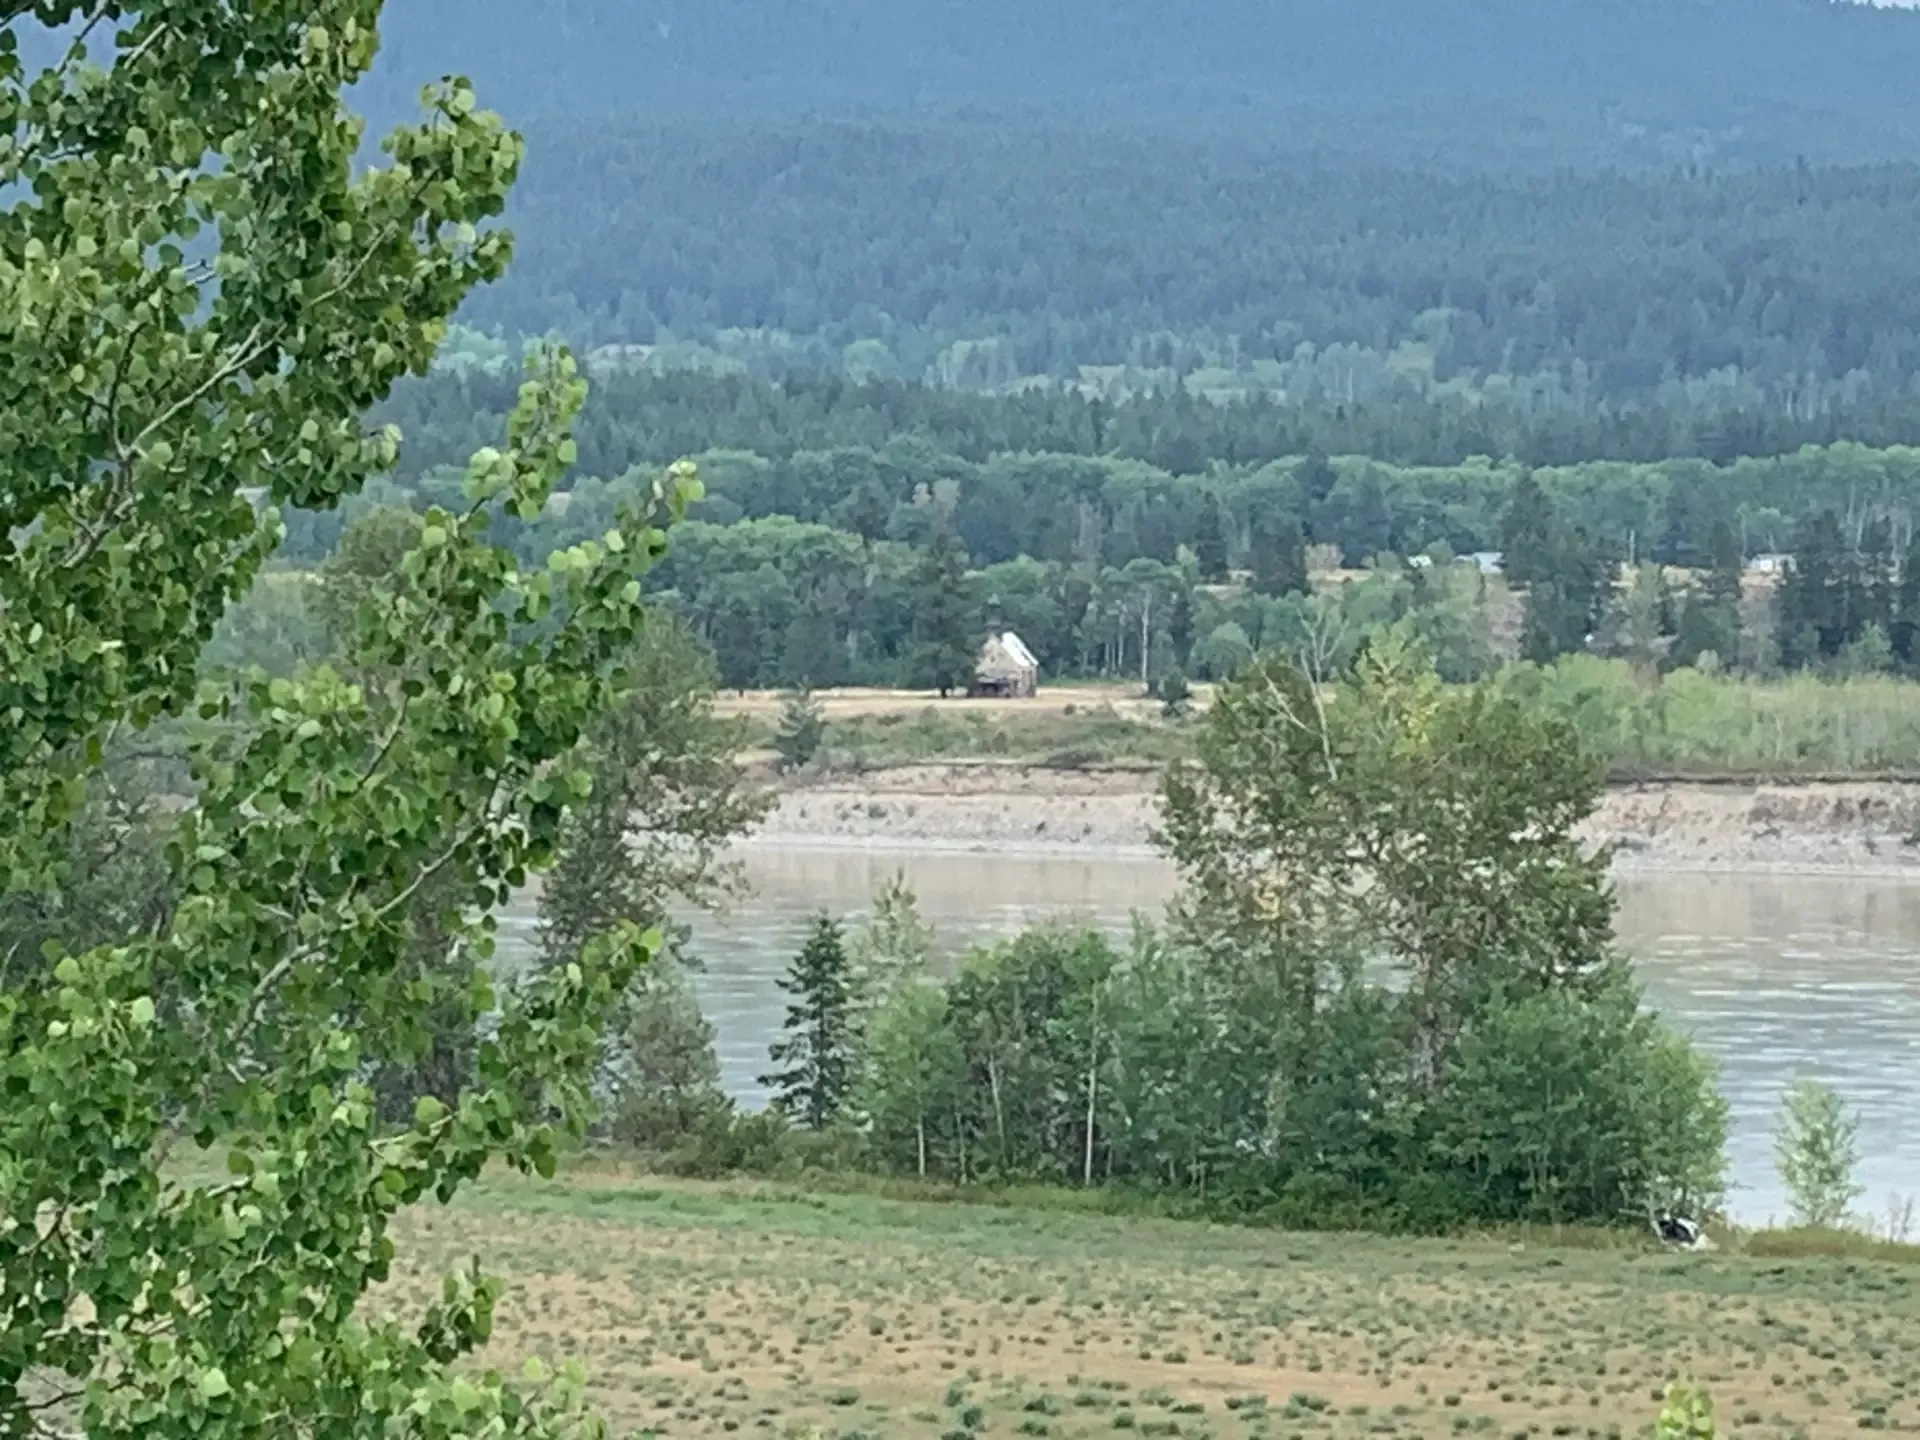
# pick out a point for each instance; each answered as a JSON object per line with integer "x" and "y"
{"x": 665, "y": 1073}
{"x": 736, "y": 643}
{"x": 1564, "y": 603}
{"x": 1528, "y": 534}
{"x": 1317, "y": 479}
{"x": 1368, "y": 527}
{"x": 1279, "y": 556}
{"x": 817, "y": 1052}
{"x": 944, "y": 648}
{"x": 1703, "y": 630}
{"x": 1813, "y": 597}
{"x": 1906, "y": 615}
{"x": 1210, "y": 543}
{"x": 1727, "y": 562}
{"x": 1710, "y": 620}
{"x": 1180, "y": 624}
{"x": 1874, "y": 593}
{"x": 1637, "y": 622}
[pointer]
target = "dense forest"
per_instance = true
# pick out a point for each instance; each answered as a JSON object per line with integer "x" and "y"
{"x": 985, "y": 257}
{"x": 818, "y": 558}
{"x": 1583, "y": 214}
{"x": 1545, "y": 82}
{"x": 643, "y": 418}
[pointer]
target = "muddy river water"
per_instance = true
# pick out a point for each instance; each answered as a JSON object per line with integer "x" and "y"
{"x": 1776, "y": 976}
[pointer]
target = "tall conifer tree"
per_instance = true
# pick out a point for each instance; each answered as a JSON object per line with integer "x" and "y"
{"x": 944, "y": 648}
{"x": 817, "y": 1052}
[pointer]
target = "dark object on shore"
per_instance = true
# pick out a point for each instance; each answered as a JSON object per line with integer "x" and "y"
{"x": 1677, "y": 1229}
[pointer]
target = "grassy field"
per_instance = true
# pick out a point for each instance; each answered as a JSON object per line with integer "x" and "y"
{"x": 1068, "y": 727}
{"x": 753, "y": 1310}
{"x": 1686, "y": 725}
{"x": 1126, "y": 700}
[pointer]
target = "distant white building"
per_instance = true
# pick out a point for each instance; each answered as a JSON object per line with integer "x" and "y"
{"x": 1006, "y": 668}
{"x": 1489, "y": 561}
{"x": 1768, "y": 564}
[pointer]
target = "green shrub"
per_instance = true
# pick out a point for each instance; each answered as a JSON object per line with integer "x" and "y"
{"x": 1686, "y": 1415}
{"x": 1816, "y": 1150}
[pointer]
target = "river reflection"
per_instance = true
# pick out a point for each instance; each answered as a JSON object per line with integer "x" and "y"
{"x": 1776, "y": 976}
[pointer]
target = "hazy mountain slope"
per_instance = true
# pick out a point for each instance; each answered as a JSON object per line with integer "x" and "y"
{"x": 1749, "y": 79}
{"x": 1077, "y": 248}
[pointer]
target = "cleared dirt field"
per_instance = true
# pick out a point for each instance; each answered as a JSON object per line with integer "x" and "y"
{"x": 759, "y": 1311}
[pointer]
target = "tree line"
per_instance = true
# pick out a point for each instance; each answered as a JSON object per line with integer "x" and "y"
{"x": 1347, "y": 1020}
{"x": 679, "y": 400}
{"x": 1338, "y": 1024}
{"x": 885, "y": 565}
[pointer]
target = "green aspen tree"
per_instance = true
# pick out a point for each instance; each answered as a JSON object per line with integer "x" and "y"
{"x": 201, "y": 293}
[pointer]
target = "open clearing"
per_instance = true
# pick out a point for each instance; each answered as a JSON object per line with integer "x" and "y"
{"x": 1129, "y": 701}
{"x": 756, "y": 1310}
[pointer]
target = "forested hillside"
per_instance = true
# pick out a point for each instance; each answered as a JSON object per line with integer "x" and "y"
{"x": 1548, "y": 81}
{"x": 1552, "y": 206}
{"x": 979, "y": 257}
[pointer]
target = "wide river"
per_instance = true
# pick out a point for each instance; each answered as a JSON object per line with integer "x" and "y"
{"x": 1778, "y": 977}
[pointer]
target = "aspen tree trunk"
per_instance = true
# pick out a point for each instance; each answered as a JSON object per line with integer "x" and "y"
{"x": 1093, "y": 1081}
{"x": 999, "y": 1115}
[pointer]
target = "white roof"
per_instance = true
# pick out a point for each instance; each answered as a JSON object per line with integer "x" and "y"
{"x": 1017, "y": 651}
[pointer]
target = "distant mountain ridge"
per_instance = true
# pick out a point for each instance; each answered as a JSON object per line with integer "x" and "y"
{"x": 1746, "y": 80}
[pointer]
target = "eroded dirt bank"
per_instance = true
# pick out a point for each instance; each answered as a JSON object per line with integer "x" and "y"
{"x": 1855, "y": 826}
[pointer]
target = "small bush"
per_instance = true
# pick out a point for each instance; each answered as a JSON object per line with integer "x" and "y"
{"x": 1686, "y": 1415}
{"x": 802, "y": 728}
{"x": 1816, "y": 1150}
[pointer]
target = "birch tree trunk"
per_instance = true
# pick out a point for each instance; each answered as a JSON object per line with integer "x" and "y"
{"x": 999, "y": 1115}
{"x": 1093, "y": 1082}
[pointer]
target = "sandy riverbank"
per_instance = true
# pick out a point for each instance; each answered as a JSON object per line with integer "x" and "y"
{"x": 1859, "y": 827}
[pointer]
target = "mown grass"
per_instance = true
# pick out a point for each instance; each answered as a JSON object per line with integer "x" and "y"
{"x": 762, "y": 1310}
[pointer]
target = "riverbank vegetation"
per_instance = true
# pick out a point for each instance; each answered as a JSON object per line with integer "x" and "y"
{"x": 1388, "y": 997}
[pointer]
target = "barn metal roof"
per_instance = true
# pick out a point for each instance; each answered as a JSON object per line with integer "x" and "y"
{"x": 1017, "y": 651}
